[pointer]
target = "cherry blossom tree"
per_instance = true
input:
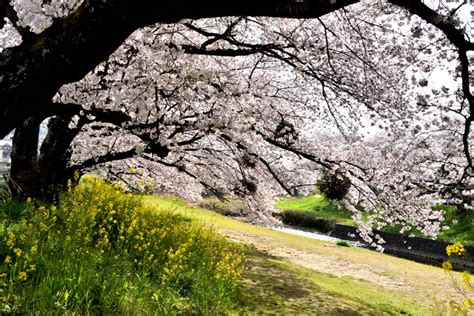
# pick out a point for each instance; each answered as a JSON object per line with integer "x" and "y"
{"x": 250, "y": 106}
{"x": 60, "y": 41}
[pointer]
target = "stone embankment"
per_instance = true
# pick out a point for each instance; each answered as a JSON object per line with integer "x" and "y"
{"x": 418, "y": 249}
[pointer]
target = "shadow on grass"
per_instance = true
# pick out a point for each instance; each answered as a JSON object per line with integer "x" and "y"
{"x": 269, "y": 288}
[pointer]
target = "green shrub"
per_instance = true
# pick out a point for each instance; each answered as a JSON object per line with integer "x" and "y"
{"x": 103, "y": 251}
{"x": 334, "y": 185}
{"x": 343, "y": 243}
{"x": 306, "y": 220}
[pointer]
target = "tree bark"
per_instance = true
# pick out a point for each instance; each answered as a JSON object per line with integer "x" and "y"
{"x": 41, "y": 175}
{"x": 54, "y": 157}
{"x": 24, "y": 167}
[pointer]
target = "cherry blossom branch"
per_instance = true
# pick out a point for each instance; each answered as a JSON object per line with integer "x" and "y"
{"x": 454, "y": 34}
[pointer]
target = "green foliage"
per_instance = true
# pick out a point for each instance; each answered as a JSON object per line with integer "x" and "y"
{"x": 461, "y": 225}
{"x": 343, "y": 243}
{"x": 103, "y": 251}
{"x": 334, "y": 186}
{"x": 305, "y": 219}
{"x": 317, "y": 205}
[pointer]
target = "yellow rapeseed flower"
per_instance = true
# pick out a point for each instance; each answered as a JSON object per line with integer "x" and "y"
{"x": 69, "y": 185}
{"x": 466, "y": 278}
{"x": 22, "y": 276}
{"x": 11, "y": 241}
{"x": 457, "y": 249}
{"x": 8, "y": 259}
{"x": 77, "y": 175}
{"x": 468, "y": 303}
{"x": 17, "y": 252}
{"x": 447, "y": 265}
{"x": 34, "y": 249}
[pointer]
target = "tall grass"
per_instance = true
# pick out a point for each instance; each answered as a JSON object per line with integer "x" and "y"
{"x": 231, "y": 207}
{"x": 101, "y": 250}
{"x": 306, "y": 220}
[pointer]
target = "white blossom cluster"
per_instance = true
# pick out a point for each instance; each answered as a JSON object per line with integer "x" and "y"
{"x": 9, "y": 36}
{"x": 38, "y": 15}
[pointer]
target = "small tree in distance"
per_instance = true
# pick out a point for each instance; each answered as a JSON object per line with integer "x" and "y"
{"x": 334, "y": 185}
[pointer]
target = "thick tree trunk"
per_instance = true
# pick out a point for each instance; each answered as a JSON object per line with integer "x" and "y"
{"x": 24, "y": 167}
{"x": 54, "y": 157}
{"x": 43, "y": 175}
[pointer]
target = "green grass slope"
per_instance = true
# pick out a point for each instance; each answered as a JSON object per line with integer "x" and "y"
{"x": 283, "y": 275}
{"x": 318, "y": 205}
{"x": 103, "y": 251}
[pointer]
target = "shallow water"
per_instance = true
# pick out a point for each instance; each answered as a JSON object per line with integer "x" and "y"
{"x": 313, "y": 235}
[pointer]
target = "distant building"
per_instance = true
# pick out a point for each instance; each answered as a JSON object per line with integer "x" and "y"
{"x": 5, "y": 156}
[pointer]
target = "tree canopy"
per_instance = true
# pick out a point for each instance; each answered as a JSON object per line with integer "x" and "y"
{"x": 241, "y": 99}
{"x": 74, "y": 37}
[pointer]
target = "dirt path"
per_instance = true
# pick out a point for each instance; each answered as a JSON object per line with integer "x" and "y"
{"x": 424, "y": 284}
{"x": 421, "y": 284}
{"x": 323, "y": 263}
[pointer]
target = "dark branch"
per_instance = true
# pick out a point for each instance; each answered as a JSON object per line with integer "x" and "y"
{"x": 65, "y": 52}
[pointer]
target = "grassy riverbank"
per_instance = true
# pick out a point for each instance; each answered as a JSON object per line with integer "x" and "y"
{"x": 461, "y": 225}
{"x": 320, "y": 277}
{"x": 101, "y": 250}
